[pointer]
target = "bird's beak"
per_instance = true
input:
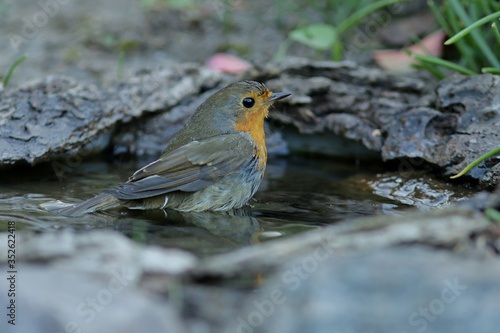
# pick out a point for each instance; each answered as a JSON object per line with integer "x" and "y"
{"x": 277, "y": 96}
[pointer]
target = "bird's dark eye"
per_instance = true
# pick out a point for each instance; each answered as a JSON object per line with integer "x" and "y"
{"x": 248, "y": 102}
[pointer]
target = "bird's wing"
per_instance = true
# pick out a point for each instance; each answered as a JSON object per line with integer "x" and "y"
{"x": 188, "y": 168}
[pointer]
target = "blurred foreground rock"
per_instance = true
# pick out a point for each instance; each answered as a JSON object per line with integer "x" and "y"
{"x": 69, "y": 282}
{"x": 435, "y": 270}
{"x": 400, "y": 289}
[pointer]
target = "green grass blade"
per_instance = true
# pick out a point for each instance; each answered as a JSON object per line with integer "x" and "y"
{"x": 485, "y": 6}
{"x": 476, "y": 35}
{"x": 473, "y": 11}
{"x": 439, "y": 17}
{"x": 493, "y": 215}
{"x": 491, "y": 70}
{"x": 282, "y": 49}
{"x": 451, "y": 17}
{"x": 121, "y": 60}
{"x": 337, "y": 50}
{"x": 431, "y": 68}
{"x": 476, "y": 162}
{"x": 434, "y": 70}
{"x": 11, "y": 70}
{"x": 496, "y": 32}
{"x": 443, "y": 63}
{"x": 462, "y": 45}
{"x": 354, "y": 18}
{"x": 471, "y": 27}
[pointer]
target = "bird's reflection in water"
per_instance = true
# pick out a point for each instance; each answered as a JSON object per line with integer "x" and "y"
{"x": 202, "y": 233}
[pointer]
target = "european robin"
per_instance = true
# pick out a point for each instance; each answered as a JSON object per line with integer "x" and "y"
{"x": 215, "y": 162}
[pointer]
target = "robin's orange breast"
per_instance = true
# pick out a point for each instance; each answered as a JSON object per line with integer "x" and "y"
{"x": 252, "y": 123}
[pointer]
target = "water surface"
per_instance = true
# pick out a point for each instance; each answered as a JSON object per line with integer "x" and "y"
{"x": 297, "y": 194}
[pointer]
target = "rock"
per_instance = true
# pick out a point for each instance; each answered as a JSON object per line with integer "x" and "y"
{"x": 399, "y": 116}
{"x": 58, "y": 115}
{"x": 461, "y": 129}
{"x": 65, "y": 300}
{"x": 98, "y": 252}
{"x": 208, "y": 308}
{"x": 321, "y": 89}
{"x": 97, "y": 281}
{"x": 396, "y": 289}
{"x": 491, "y": 177}
{"x": 408, "y": 137}
{"x": 475, "y": 101}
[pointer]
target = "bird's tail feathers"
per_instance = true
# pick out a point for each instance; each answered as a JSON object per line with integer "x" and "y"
{"x": 102, "y": 201}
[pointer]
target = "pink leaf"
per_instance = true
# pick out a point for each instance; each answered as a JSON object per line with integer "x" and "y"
{"x": 399, "y": 61}
{"x": 228, "y": 63}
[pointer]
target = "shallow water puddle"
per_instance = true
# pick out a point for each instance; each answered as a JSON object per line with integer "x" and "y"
{"x": 297, "y": 195}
